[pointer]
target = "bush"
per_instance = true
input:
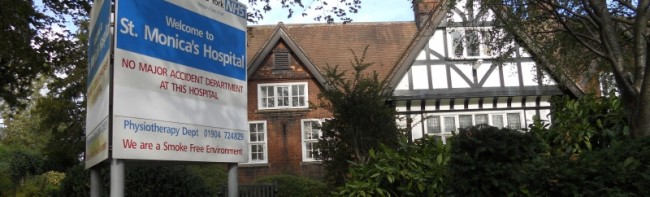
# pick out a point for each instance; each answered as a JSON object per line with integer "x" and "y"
{"x": 412, "y": 170}
{"x": 487, "y": 161}
{"x": 164, "y": 181}
{"x": 139, "y": 181}
{"x": 623, "y": 170}
{"x": 77, "y": 182}
{"x": 585, "y": 124}
{"x": 213, "y": 175}
{"x": 17, "y": 166}
{"x": 295, "y": 186}
{"x": 46, "y": 184}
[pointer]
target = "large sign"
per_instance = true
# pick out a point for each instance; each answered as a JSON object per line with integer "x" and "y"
{"x": 180, "y": 81}
{"x": 98, "y": 84}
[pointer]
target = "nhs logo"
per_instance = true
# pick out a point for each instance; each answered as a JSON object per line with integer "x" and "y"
{"x": 232, "y": 6}
{"x": 236, "y": 8}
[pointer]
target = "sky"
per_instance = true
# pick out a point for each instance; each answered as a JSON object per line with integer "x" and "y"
{"x": 371, "y": 11}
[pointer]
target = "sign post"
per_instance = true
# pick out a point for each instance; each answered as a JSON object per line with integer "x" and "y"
{"x": 117, "y": 178}
{"x": 175, "y": 89}
{"x": 233, "y": 187}
{"x": 95, "y": 183}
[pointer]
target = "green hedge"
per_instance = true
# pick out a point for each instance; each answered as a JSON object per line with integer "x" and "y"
{"x": 487, "y": 161}
{"x": 623, "y": 170}
{"x": 139, "y": 181}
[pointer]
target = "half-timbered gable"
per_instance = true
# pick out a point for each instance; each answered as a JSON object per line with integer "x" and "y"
{"x": 452, "y": 79}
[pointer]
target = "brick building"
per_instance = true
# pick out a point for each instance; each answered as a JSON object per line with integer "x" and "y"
{"x": 284, "y": 77}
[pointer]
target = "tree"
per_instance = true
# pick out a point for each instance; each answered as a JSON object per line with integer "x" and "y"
{"x": 52, "y": 60}
{"x": 361, "y": 118}
{"x": 329, "y": 10}
{"x": 607, "y": 36}
{"x": 30, "y": 37}
{"x": 67, "y": 97}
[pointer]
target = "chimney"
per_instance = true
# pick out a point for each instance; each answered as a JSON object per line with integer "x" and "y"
{"x": 422, "y": 10}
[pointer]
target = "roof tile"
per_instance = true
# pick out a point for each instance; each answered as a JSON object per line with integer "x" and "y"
{"x": 331, "y": 44}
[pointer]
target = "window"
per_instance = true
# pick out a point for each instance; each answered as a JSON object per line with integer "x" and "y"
{"x": 465, "y": 121}
{"x": 282, "y": 95}
{"x": 514, "y": 121}
{"x": 469, "y": 43}
{"x": 445, "y": 123}
{"x": 457, "y": 43}
{"x": 433, "y": 124}
{"x": 481, "y": 119}
{"x": 497, "y": 120}
{"x": 473, "y": 43}
{"x": 310, "y": 134}
{"x": 450, "y": 124}
{"x": 258, "y": 153}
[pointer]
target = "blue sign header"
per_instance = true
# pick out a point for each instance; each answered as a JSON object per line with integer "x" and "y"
{"x": 100, "y": 39}
{"x": 166, "y": 31}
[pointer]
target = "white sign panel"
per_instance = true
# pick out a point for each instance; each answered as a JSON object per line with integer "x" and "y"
{"x": 180, "y": 81}
{"x": 98, "y": 84}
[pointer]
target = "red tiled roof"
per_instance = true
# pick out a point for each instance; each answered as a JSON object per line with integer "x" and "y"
{"x": 330, "y": 44}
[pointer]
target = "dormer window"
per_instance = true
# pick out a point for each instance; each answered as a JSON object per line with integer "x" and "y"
{"x": 281, "y": 59}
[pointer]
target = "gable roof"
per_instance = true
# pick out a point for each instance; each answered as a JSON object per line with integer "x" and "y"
{"x": 280, "y": 33}
{"x": 428, "y": 29}
{"x": 320, "y": 45}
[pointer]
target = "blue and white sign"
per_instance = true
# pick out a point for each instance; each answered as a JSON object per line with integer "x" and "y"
{"x": 180, "y": 81}
{"x": 164, "y": 30}
{"x": 98, "y": 83}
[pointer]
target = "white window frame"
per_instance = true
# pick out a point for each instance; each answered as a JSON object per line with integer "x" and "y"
{"x": 456, "y": 115}
{"x": 521, "y": 120}
{"x": 276, "y": 96}
{"x": 482, "y": 47}
{"x": 264, "y": 144}
{"x": 304, "y": 141}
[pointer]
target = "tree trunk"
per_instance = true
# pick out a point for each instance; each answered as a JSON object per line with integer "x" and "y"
{"x": 641, "y": 119}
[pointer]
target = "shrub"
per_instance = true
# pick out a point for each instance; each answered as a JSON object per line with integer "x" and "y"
{"x": 77, "y": 182}
{"x": 139, "y": 181}
{"x": 623, "y": 170}
{"x": 360, "y": 121}
{"x": 46, "y": 184}
{"x": 410, "y": 170}
{"x": 295, "y": 186}
{"x": 213, "y": 175}
{"x": 17, "y": 166}
{"x": 487, "y": 161}
{"x": 585, "y": 124}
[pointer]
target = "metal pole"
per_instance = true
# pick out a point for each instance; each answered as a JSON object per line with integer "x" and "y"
{"x": 117, "y": 178}
{"x": 95, "y": 182}
{"x": 233, "y": 187}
